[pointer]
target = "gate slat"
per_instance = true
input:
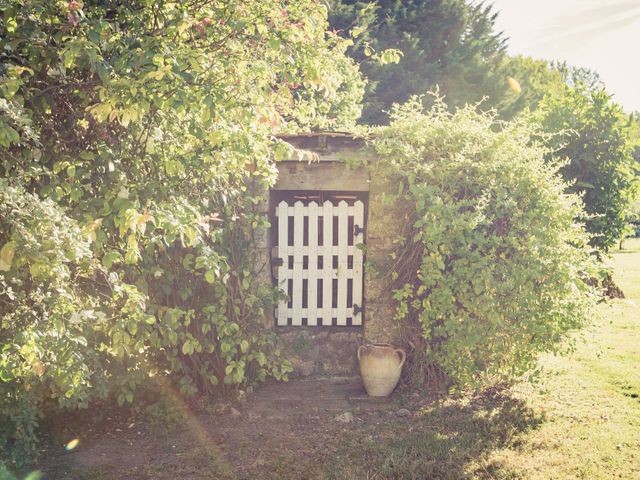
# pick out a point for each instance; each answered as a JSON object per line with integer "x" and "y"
{"x": 283, "y": 253}
{"x": 312, "y": 274}
{"x": 343, "y": 224}
{"x": 327, "y": 265}
{"x": 299, "y": 211}
{"x": 357, "y": 261}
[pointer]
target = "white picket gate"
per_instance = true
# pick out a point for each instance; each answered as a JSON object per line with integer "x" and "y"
{"x": 320, "y": 264}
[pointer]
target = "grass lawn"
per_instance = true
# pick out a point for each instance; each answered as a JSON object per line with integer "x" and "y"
{"x": 582, "y": 420}
{"x": 591, "y": 399}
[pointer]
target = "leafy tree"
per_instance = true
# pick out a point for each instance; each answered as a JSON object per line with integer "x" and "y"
{"x": 575, "y": 76}
{"x": 591, "y": 131}
{"x": 632, "y": 226}
{"x": 536, "y": 79}
{"x": 448, "y": 43}
{"x": 145, "y": 129}
{"x": 492, "y": 265}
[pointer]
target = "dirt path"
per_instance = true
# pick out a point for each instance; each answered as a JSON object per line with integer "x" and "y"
{"x": 280, "y": 431}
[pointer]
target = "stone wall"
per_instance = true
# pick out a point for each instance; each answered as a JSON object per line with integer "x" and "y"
{"x": 382, "y": 228}
{"x": 332, "y": 350}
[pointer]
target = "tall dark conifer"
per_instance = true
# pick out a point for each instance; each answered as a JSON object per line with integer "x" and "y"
{"x": 451, "y": 44}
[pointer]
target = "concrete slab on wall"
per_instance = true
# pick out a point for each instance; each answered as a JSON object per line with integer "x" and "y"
{"x": 322, "y": 175}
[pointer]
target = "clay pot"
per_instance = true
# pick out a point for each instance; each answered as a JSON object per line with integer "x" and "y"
{"x": 380, "y": 367}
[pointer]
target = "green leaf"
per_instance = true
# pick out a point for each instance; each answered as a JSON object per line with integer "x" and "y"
{"x": 7, "y": 253}
{"x": 110, "y": 258}
{"x": 262, "y": 28}
{"x": 188, "y": 347}
{"x": 275, "y": 43}
{"x": 35, "y": 475}
{"x": 103, "y": 73}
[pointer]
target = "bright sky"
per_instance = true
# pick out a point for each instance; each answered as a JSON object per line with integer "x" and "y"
{"x": 603, "y": 35}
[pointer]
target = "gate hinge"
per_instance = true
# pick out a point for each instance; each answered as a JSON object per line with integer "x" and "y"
{"x": 357, "y": 309}
{"x": 277, "y": 262}
{"x": 357, "y": 229}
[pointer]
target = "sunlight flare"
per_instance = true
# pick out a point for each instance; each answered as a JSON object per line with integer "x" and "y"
{"x": 72, "y": 444}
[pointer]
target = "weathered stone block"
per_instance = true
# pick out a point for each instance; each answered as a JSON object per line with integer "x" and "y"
{"x": 317, "y": 352}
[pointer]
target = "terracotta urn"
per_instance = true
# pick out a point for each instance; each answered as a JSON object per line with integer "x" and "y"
{"x": 380, "y": 368}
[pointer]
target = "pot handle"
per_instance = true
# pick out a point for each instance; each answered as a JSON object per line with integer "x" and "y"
{"x": 403, "y": 355}
{"x": 360, "y": 350}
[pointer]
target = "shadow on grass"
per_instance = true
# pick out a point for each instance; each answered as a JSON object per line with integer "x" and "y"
{"x": 449, "y": 441}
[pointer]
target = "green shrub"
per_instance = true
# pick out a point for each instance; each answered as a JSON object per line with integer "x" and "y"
{"x": 144, "y": 134}
{"x": 493, "y": 266}
{"x": 54, "y": 326}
